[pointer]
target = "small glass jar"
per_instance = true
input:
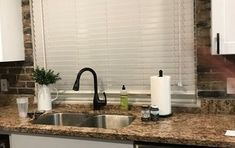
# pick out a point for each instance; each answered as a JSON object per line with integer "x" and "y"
{"x": 154, "y": 113}
{"x": 145, "y": 113}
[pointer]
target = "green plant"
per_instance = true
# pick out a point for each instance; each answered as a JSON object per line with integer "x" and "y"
{"x": 45, "y": 77}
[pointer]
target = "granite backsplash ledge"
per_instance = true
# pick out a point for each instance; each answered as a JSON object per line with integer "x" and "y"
{"x": 210, "y": 106}
{"x": 218, "y": 106}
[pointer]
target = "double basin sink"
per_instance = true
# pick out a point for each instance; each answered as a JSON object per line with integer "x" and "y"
{"x": 85, "y": 120}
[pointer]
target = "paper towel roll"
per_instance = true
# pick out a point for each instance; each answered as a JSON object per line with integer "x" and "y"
{"x": 161, "y": 94}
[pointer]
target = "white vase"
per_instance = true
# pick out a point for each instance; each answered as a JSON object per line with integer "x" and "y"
{"x": 44, "y": 98}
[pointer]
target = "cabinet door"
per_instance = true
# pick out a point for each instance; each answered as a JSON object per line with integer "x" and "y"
{"x": 11, "y": 31}
{"x": 223, "y": 30}
{"x": 28, "y": 141}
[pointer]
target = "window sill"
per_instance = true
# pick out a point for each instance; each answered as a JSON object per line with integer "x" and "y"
{"x": 84, "y": 97}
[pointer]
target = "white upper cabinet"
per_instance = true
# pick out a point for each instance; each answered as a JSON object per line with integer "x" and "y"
{"x": 11, "y": 31}
{"x": 223, "y": 27}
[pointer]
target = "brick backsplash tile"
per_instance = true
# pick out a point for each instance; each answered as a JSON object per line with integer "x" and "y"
{"x": 203, "y": 43}
{"x": 3, "y": 70}
{"x": 210, "y": 77}
{"x": 27, "y": 37}
{"x": 28, "y": 52}
{"x": 25, "y": 90}
{"x": 17, "y": 84}
{"x": 11, "y": 91}
{"x": 27, "y": 30}
{"x": 28, "y": 61}
{"x": 26, "y": 23}
{"x": 30, "y": 84}
{"x": 9, "y": 77}
{"x": 24, "y": 77}
{"x": 28, "y": 45}
{"x": 214, "y": 94}
{"x": 211, "y": 85}
{"x": 204, "y": 33}
{"x": 7, "y": 64}
{"x": 16, "y": 70}
{"x": 29, "y": 70}
{"x": 25, "y": 2}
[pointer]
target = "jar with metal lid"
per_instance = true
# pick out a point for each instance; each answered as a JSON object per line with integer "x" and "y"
{"x": 145, "y": 113}
{"x": 154, "y": 113}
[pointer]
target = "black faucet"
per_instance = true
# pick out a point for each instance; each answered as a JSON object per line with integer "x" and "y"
{"x": 97, "y": 103}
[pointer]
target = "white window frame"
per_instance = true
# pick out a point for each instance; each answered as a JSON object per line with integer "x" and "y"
{"x": 135, "y": 98}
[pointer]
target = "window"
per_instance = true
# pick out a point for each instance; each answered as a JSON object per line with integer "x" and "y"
{"x": 125, "y": 42}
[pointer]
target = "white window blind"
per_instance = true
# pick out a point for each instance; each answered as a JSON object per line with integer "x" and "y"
{"x": 125, "y": 42}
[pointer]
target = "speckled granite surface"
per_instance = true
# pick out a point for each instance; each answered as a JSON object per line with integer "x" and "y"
{"x": 181, "y": 128}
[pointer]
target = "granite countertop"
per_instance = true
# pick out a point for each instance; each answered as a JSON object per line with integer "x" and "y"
{"x": 181, "y": 128}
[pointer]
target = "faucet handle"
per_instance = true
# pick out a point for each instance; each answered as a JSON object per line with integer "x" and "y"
{"x": 105, "y": 99}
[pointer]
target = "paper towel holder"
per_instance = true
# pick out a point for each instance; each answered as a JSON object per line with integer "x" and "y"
{"x": 163, "y": 105}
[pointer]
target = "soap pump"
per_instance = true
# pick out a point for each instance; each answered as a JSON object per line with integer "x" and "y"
{"x": 124, "y": 98}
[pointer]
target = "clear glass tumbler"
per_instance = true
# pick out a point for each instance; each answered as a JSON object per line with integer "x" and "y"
{"x": 22, "y": 104}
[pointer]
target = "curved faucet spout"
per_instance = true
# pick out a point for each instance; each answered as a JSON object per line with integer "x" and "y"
{"x": 77, "y": 82}
{"x": 97, "y": 103}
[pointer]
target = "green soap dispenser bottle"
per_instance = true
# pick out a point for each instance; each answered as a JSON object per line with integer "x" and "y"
{"x": 123, "y": 98}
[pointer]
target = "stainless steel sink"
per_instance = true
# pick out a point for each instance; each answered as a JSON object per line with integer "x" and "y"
{"x": 63, "y": 119}
{"x": 108, "y": 121}
{"x": 85, "y": 120}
